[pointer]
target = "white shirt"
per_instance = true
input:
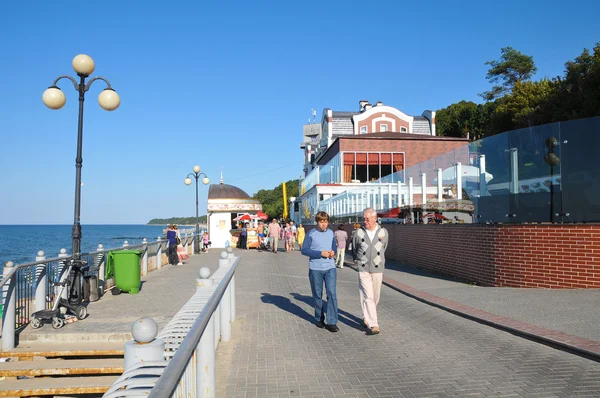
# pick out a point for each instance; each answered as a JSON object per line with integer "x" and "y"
{"x": 371, "y": 233}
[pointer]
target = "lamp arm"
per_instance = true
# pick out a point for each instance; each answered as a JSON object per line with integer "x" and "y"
{"x": 193, "y": 175}
{"x": 89, "y": 84}
{"x": 75, "y": 84}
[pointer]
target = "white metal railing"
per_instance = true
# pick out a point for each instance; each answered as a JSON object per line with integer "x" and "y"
{"x": 30, "y": 287}
{"x": 185, "y": 366}
{"x": 386, "y": 196}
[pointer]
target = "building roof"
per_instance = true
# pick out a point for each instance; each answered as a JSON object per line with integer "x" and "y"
{"x": 225, "y": 191}
{"x": 386, "y": 135}
{"x": 343, "y": 114}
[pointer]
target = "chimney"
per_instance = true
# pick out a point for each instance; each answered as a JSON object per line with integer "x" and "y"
{"x": 368, "y": 106}
{"x": 379, "y": 103}
{"x": 361, "y": 104}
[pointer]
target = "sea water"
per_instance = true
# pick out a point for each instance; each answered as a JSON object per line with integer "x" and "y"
{"x": 21, "y": 243}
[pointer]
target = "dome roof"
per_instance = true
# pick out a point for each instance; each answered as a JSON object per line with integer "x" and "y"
{"x": 224, "y": 191}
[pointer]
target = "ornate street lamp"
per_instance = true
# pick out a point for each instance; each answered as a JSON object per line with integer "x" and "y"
{"x": 188, "y": 181}
{"x": 54, "y": 98}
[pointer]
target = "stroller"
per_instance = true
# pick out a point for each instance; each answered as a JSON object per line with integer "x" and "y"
{"x": 265, "y": 245}
{"x": 71, "y": 279}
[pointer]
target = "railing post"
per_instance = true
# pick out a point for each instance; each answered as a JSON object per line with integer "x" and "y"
{"x": 423, "y": 190}
{"x": 101, "y": 264}
{"x": 225, "y": 303}
{"x": 145, "y": 257}
{"x": 61, "y": 269}
{"x": 145, "y": 346}
{"x": 231, "y": 258}
{"x": 9, "y": 309}
{"x": 482, "y": 175}
{"x": 41, "y": 281}
{"x": 458, "y": 180}
{"x": 193, "y": 244}
{"x": 205, "y": 352}
{"x": 440, "y": 185}
{"x": 159, "y": 254}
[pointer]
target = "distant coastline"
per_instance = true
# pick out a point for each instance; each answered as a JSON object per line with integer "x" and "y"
{"x": 186, "y": 221}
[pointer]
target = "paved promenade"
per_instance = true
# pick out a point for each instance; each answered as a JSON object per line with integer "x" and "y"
{"x": 162, "y": 294}
{"x": 422, "y": 351}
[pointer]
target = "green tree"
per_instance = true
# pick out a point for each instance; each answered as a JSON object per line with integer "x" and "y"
{"x": 272, "y": 199}
{"x": 457, "y": 119}
{"x": 578, "y": 93}
{"x": 527, "y": 105}
{"x": 512, "y": 67}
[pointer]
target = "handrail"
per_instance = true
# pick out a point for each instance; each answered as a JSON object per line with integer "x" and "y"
{"x": 167, "y": 383}
{"x": 5, "y": 278}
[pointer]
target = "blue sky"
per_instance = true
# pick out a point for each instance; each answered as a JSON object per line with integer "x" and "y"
{"x": 229, "y": 84}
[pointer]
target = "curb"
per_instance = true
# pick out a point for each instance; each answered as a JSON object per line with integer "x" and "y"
{"x": 588, "y": 349}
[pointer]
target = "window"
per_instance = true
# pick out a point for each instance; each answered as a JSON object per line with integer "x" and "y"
{"x": 403, "y": 130}
{"x": 383, "y": 128}
{"x": 363, "y": 130}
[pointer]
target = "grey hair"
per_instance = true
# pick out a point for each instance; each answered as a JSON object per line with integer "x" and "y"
{"x": 369, "y": 211}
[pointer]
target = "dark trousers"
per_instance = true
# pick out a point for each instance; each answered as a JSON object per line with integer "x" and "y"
{"x": 173, "y": 258}
{"x": 243, "y": 241}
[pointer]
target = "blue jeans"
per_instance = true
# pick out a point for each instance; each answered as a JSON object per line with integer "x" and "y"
{"x": 316, "y": 286}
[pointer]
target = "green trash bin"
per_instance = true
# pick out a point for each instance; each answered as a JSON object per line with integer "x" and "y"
{"x": 124, "y": 265}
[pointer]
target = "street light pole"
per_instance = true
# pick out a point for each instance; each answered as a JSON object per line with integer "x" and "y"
{"x": 54, "y": 98}
{"x": 196, "y": 174}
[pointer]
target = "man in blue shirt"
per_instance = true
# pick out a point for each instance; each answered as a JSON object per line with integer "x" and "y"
{"x": 320, "y": 247}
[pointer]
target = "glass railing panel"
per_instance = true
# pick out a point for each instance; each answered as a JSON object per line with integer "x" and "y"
{"x": 492, "y": 205}
{"x": 579, "y": 181}
{"x": 531, "y": 178}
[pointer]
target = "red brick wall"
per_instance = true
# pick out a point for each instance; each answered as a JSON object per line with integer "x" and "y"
{"x": 416, "y": 151}
{"x": 540, "y": 256}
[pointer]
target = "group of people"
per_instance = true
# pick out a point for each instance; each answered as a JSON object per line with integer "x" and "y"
{"x": 269, "y": 235}
{"x": 176, "y": 253}
{"x": 326, "y": 250}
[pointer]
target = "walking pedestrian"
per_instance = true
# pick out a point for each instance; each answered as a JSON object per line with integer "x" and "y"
{"x": 244, "y": 237}
{"x": 172, "y": 248}
{"x": 320, "y": 247}
{"x": 341, "y": 237}
{"x": 301, "y": 234}
{"x": 356, "y": 226}
{"x": 370, "y": 243}
{"x": 274, "y": 231}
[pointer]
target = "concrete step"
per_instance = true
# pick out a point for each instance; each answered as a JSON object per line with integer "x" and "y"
{"x": 56, "y": 386}
{"x": 62, "y": 367}
{"x": 31, "y": 350}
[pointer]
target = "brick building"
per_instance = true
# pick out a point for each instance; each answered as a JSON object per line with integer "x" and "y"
{"x": 372, "y": 147}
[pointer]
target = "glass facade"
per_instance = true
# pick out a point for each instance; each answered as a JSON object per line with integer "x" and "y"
{"x": 540, "y": 174}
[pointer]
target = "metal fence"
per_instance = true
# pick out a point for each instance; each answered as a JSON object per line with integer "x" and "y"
{"x": 31, "y": 287}
{"x": 185, "y": 367}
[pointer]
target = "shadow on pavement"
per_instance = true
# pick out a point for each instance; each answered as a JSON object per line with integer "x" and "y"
{"x": 286, "y": 304}
{"x": 344, "y": 317}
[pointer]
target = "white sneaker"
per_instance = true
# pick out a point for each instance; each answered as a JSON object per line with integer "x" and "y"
{"x": 179, "y": 263}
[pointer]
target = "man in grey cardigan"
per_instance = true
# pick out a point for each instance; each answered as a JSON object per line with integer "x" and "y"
{"x": 369, "y": 245}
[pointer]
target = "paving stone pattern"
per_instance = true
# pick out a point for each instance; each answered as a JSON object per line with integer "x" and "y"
{"x": 573, "y": 311}
{"x": 422, "y": 351}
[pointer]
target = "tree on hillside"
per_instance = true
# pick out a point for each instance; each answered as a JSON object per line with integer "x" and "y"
{"x": 527, "y": 104}
{"x": 579, "y": 90}
{"x": 272, "y": 199}
{"x": 512, "y": 67}
{"x": 456, "y": 120}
